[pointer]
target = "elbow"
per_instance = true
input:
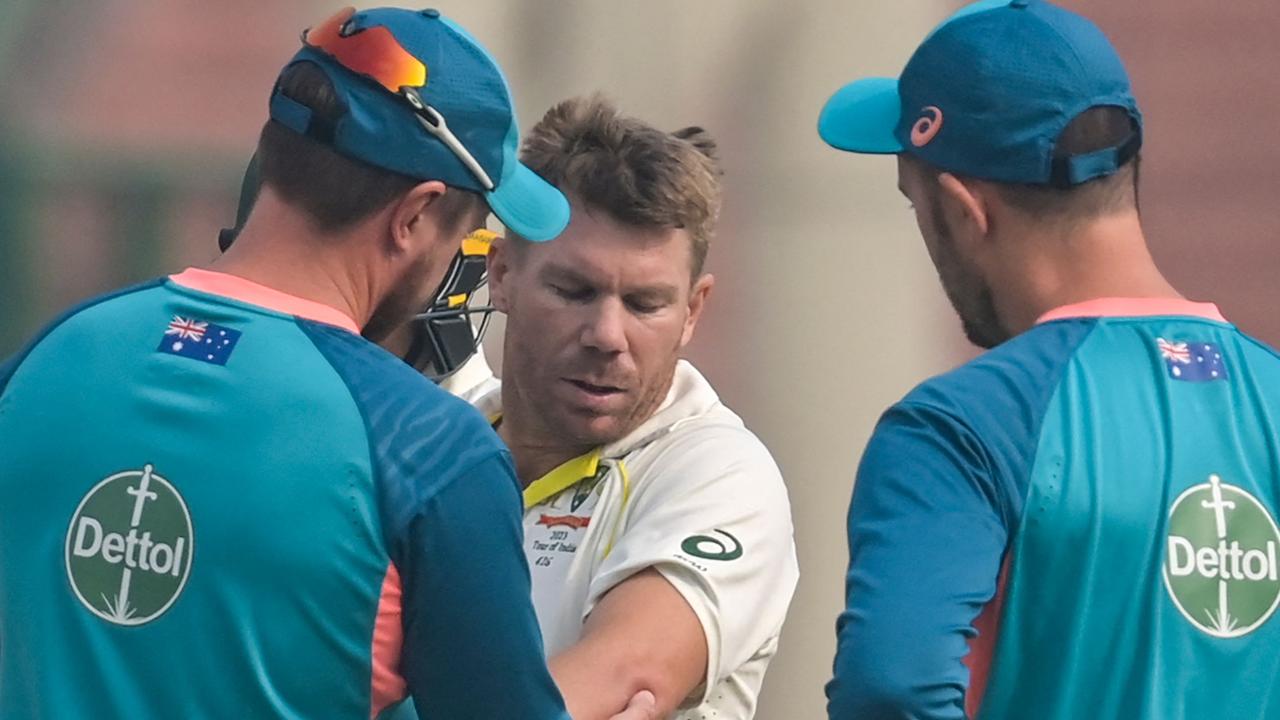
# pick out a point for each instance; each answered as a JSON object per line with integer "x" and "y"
{"x": 852, "y": 705}
{"x": 668, "y": 690}
{"x": 865, "y": 693}
{"x": 637, "y": 670}
{"x": 601, "y": 686}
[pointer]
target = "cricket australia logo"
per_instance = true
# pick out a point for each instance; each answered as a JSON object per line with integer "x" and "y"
{"x": 1220, "y": 568}
{"x": 129, "y": 547}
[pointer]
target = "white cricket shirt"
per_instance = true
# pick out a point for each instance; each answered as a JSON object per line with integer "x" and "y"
{"x": 693, "y": 494}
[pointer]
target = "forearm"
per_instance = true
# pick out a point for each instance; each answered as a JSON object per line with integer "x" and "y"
{"x": 595, "y": 688}
{"x": 642, "y": 636}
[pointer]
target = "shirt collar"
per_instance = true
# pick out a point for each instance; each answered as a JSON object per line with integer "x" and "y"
{"x": 1134, "y": 307}
{"x": 247, "y": 291}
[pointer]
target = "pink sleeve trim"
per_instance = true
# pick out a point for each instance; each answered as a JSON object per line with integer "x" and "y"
{"x": 1134, "y": 307}
{"x": 982, "y": 647}
{"x": 388, "y": 685}
{"x": 238, "y": 288}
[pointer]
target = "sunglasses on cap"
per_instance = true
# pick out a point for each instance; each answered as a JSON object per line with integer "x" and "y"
{"x": 444, "y": 335}
{"x": 375, "y": 53}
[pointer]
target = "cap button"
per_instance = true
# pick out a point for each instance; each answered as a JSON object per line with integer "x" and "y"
{"x": 431, "y": 13}
{"x": 1018, "y": 3}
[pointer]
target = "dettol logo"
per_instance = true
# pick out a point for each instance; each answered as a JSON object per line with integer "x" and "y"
{"x": 129, "y": 547}
{"x": 1220, "y": 564}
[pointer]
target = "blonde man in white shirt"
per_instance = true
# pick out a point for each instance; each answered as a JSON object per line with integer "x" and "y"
{"x": 657, "y": 527}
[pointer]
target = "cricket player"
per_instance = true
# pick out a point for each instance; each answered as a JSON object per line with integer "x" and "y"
{"x": 657, "y": 527}
{"x": 217, "y": 499}
{"x": 444, "y": 340}
{"x": 1082, "y": 521}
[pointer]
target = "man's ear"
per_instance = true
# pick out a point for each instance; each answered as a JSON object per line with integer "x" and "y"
{"x": 412, "y": 213}
{"x": 498, "y": 263}
{"x": 968, "y": 204}
{"x": 697, "y": 301}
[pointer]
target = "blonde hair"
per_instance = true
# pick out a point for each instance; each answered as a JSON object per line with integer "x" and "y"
{"x": 639, "y": 175}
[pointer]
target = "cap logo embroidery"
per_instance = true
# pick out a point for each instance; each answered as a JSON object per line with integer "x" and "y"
{"x": 927, "y": 127}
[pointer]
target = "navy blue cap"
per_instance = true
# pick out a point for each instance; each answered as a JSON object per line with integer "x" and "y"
{"x": 987, "y": 95}
{"x": 466, "y": 87}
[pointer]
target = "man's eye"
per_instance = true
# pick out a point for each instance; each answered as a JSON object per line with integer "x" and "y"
{"x": 644, "y": 307}
{"x": 572, "y": 293}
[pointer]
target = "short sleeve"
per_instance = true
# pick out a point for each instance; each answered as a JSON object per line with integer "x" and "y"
{"x": 711, "y": 513}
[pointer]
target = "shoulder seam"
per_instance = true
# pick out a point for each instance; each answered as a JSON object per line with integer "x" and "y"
{"x": 909, "y": 401}
{"x": 374, "y": 465}
{"x": 753, "y": 453}
{"x": 364, "y": 418}
{"x": 1039, "y": 433}
{"x": 1040, "y": 424}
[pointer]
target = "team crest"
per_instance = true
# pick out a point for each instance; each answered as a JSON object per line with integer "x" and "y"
{"x": 583, "y": 490}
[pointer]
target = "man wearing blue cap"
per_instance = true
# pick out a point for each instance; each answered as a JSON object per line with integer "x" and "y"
{"x": 218, "y": 500}
{"x": 1083, "y": 518}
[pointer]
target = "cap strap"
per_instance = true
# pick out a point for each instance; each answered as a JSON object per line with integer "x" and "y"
{"x": 1070, "y": 171}
{"x": 290, "y": 113}
{"x": 300, "y": 118}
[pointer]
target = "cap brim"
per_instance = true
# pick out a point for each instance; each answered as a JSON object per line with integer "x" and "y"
{"x": 862, "y": 116}
{"x": 528, "y": 205}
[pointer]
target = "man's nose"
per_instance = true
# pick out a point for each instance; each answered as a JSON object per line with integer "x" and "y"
{"x": 605, "y": 327}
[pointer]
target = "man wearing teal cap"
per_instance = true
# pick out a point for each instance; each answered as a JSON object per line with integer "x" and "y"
{"x": 1081, "y": 520}
{"x": 218, "y": 500}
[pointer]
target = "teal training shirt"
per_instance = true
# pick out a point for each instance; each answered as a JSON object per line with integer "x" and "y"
{"x": 219, "y": 501}
{"x": 1081, "y": 521}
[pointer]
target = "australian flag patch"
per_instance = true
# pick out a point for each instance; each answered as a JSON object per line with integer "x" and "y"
{"x": 1192, "y": 361}
{"x": 198, "y": 340}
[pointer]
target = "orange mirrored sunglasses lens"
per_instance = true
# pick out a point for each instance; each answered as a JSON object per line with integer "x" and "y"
{"x": 327, "y": 32}
{"x": 374, "y": 52}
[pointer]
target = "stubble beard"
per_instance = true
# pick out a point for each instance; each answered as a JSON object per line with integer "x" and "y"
{"x": 399, "y": 305}
{"x": 970, "y": 295}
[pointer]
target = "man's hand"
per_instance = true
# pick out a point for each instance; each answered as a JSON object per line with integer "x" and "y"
{"x": 643, "y": 706}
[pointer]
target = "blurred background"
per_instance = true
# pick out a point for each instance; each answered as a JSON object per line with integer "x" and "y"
{"x": 125, "y": 125}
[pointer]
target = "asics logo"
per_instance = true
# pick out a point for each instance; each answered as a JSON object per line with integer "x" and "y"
{"x": 927, "y": 127}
